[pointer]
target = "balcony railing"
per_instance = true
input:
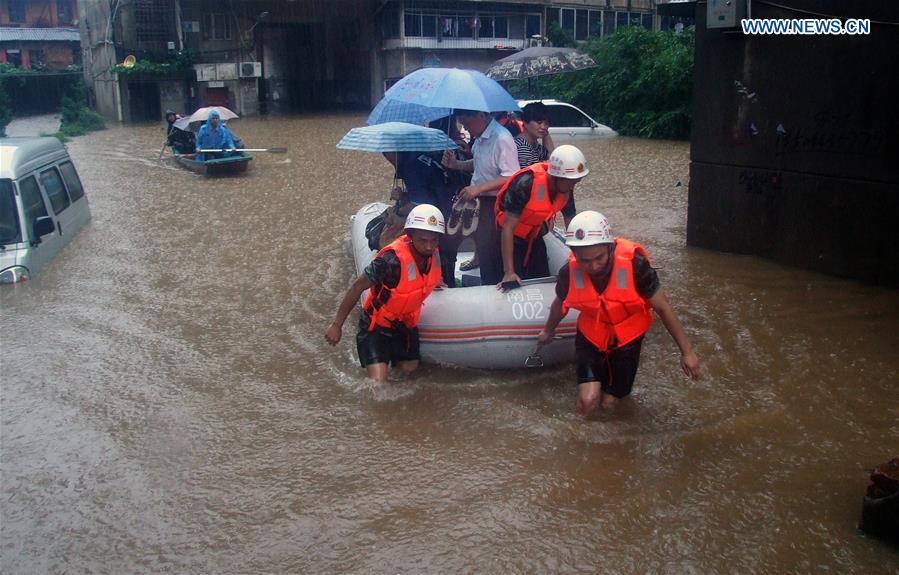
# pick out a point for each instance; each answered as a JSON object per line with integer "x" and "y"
{"x": 432, "y": 43}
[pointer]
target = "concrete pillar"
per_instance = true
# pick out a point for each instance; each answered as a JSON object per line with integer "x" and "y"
{"x": 794, "y": 145}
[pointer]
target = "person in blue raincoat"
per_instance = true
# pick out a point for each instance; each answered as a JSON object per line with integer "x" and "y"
{"x": 213, "y": 135}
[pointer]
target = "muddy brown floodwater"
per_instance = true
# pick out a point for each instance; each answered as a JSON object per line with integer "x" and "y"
{"x": 169, "y": 403}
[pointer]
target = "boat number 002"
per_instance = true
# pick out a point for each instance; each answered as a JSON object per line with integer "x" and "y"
{"x": 527, "y": 310}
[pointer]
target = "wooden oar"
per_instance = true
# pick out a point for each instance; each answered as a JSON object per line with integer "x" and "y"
{"x": 161, "y": 151}
{"x": 269, "y": 150}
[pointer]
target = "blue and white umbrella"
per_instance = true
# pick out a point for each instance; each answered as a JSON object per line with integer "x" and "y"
{"x": 431, "y": 93}
{"x": 396, "y": 137}
{"x": 397, "y": 111}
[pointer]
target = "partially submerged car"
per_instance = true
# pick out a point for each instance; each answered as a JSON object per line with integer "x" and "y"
{"x": 567, "y": 122}
{"x": 42, "y": 205}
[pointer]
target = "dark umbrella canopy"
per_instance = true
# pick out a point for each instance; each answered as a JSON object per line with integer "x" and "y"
{"x": 539, "y": 61}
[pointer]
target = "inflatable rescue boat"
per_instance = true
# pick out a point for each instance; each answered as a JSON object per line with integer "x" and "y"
{"x": 479, "y": 326}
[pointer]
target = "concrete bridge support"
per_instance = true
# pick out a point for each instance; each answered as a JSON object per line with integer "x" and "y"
{"x": 795, "y": 143}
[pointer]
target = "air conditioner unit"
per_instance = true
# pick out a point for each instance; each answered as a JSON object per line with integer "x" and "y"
{"x": 250, "y": 69}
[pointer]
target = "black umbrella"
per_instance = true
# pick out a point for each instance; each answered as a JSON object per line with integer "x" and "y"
{"x": 539, "y": 61}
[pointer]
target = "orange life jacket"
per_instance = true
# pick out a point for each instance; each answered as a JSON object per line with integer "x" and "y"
{"x": 617, "y": 316}
{"x": 406, "y": 299}
{"x": 505, "y": 122}
{"x": 539, "y": 209}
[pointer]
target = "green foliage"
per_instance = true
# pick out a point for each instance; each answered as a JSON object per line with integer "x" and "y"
{"x": 176, "y": 64}
{"x": 559, "y": 37}
{"x": 7, "y": 69}
{"x": 19, "y": 81}
{"x": 7, "y": 85}
{"x": 642, "y": 86}
{"x": 78, "y": 119}
{"x": 5, "y": 108}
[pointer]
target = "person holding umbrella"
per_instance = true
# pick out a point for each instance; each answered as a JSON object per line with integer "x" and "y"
{"x": 495, "y": 159}
{"x": 182, "y": 141}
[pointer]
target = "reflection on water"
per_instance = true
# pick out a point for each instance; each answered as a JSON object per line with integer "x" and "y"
{"x": 169, "y": 403}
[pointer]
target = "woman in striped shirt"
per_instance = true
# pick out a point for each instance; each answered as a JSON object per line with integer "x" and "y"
{"x": 536, "y": 128}
{"x": 535, "y": 145}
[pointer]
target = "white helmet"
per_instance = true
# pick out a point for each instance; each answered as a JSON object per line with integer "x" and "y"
{"x": 588, "y": 229}
{"x": 566, "y": 161}
{"x": 425, "y": 217}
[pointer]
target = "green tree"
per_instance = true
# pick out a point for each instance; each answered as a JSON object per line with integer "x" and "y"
{"x": 642, "y": 85}
{"x": 5, "y": 108}
{"x": 559, "y": 37}
{"x": 9, "y": 79}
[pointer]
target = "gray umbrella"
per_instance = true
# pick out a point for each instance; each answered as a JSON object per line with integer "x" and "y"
{"x": 539, "y": 61}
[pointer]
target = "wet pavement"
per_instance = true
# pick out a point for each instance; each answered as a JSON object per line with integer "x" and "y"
{"x": 169, "y": 403}
{"x": 32, "y": 126}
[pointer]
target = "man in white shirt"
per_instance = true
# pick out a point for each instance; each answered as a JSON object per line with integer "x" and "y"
{"x": 495, "y": 159}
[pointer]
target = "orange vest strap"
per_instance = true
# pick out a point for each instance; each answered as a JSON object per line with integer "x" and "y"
{"x": 617, "y": 316}
{"x": 405, "y": 300}
{"x": 538, "y": 210}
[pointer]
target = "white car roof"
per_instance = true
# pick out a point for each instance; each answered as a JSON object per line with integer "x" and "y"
{"x": 20, "y": 155}
{"x": 523, "y": 103}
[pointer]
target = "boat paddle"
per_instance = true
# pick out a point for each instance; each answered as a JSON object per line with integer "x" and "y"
{"x": 269, "y": 150}
{"x": 161, "y": 151}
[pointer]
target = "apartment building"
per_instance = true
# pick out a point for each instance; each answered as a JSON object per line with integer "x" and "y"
{"x": 259, "y": 56}
{"x": 39, "y": 34}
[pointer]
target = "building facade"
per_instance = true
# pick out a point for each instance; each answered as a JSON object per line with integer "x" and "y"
{"x": 39, "y": 34}
{"x": 299, "y": 55}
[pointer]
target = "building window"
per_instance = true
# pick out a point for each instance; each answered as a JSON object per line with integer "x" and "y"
{"x": 595, "y": 27}
{"x": 467, "y": 24}
{"x": 424, "y": 25}
{"x": 580, "y": 25}
{"x": 35, "y": 58}
{"x": 216, "y": 27}
{"x": 647, "y": 21}
{"x": 608, "y": 23}
{"x": 494, "y": 27}
{"x": 532, "y": 25}
{"x": 419, "y": 25}
{"x": 429, "y": 25}
{"x": 552, "y": 15}
{"x": 64, "y": 12}
{"x": 14, "y": 58}
{"x": 151, "y": 19}
{"x": 456, "y": 26}
{"x": 16, "y": 10}
{"x": 391, "y": 23}
{"x": 568, "y": 20}
{"x": 621, "y": 19}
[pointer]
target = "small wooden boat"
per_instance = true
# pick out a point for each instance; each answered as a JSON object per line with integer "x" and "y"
{"x": 233, "y": 164}
{"x": 479, "y": 326}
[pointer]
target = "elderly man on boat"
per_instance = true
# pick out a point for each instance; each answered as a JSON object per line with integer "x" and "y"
{"x": 400, "y": 278}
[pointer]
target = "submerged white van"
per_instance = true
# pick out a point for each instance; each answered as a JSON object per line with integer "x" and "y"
{"x": 42, "y": 205}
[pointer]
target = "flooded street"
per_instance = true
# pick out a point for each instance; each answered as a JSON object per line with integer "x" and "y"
{"x": 169, "y": 403}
